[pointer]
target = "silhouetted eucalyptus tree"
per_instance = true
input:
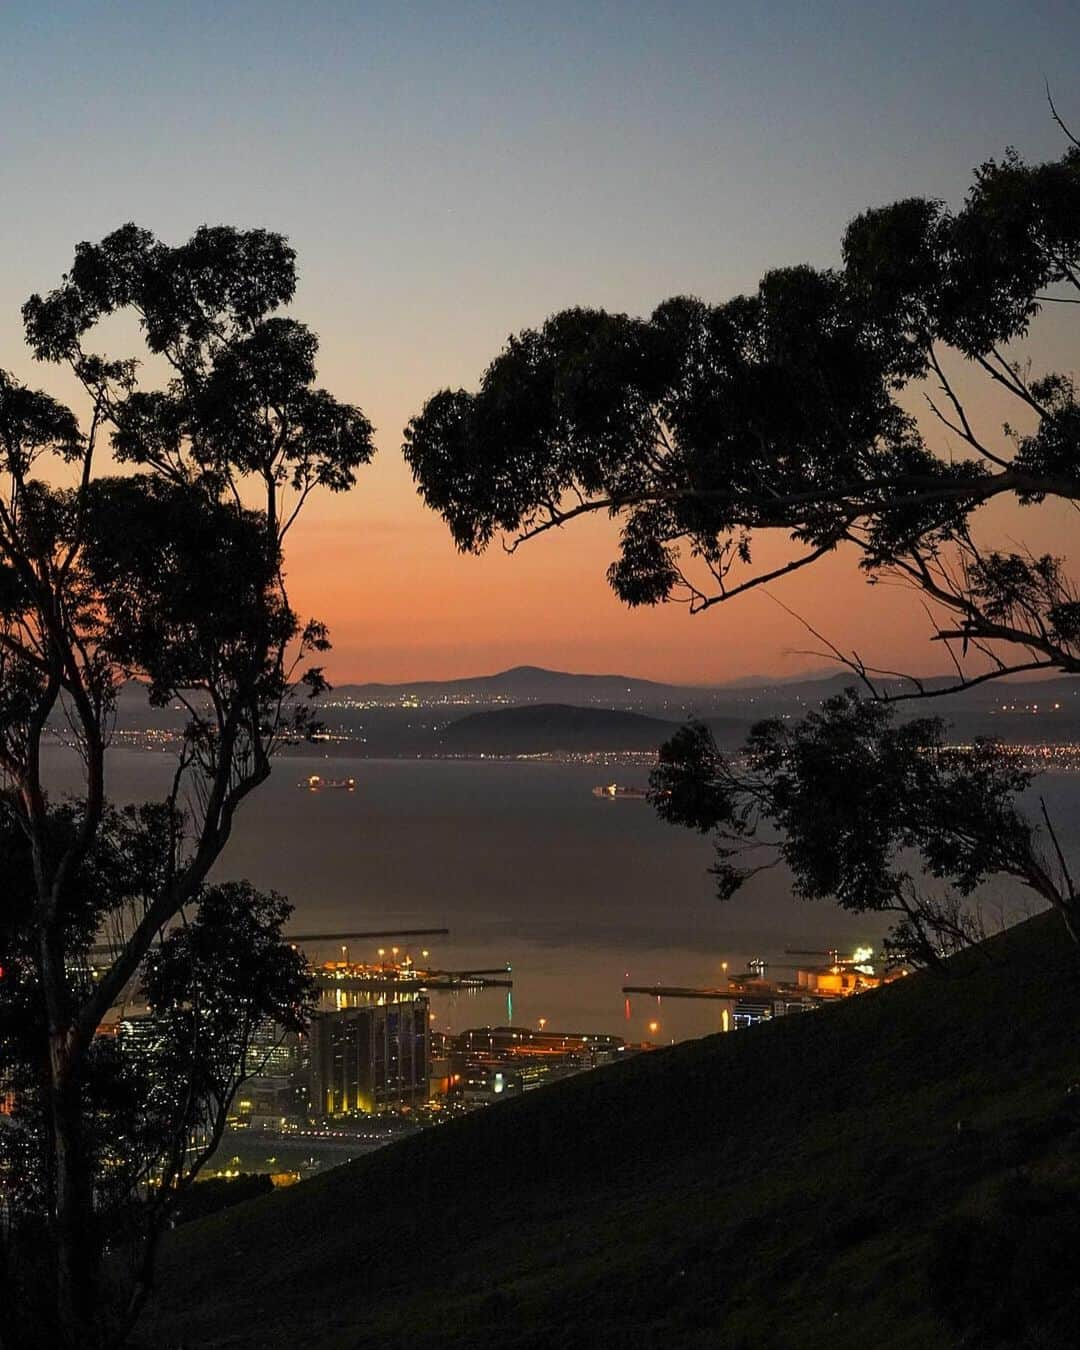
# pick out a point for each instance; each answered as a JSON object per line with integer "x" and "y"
{"x": 780, "y": 411}
{"x": 172, "y": 574}
{"x": 877, "y": 816}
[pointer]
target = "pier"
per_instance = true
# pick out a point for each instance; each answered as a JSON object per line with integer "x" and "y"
{"x": 417, "y": 980}
{"x": 678, "y": 991}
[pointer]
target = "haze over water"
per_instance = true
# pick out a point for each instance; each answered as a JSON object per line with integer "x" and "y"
{"x": 523, "y": 865}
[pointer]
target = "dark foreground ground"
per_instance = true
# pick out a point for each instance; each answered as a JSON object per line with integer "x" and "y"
{"x": 903, "y": 1170}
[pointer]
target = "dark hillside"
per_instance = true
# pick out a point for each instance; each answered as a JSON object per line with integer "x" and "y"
{"x": 539, "y": 728}
{"x": 902, "y": 1170}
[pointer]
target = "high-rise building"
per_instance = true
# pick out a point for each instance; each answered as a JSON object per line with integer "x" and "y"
{"x": 369, "y": 1057}
{"x": 274, "y": 1052}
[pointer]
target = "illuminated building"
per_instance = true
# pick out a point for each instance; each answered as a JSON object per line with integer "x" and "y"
{"x": 275, "y": 1053}
{"x": 139, "y": 1033}
{"x": 266, "y": 1098}
{"x": 763, "y": 1007}
{"x": 838, "y": 981}
{"x": 488, "y": 1063}
{"x": 481, "y": 1083}
{"x": 369, "y": 1057}
{"x": 521, "y": 1042}
{"x": 758, "y": 999}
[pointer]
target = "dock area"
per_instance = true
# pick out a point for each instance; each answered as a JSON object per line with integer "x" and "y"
{"x": 377, "y": 981}
{"x": 678, "y": 991}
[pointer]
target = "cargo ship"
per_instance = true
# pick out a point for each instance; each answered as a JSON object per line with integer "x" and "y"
{"x": 316, "y": 783}
{"x": 611, "y": 791}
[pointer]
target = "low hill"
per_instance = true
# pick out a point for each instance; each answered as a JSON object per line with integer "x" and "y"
{"x": 901, "y": 1170}
{"x": 538, "y": 728}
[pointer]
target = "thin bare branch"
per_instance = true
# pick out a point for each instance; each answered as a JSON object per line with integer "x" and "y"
{"x": 1055, "y": 115}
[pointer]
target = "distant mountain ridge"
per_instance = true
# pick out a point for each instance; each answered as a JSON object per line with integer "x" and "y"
{"x": 533, "y": 684}
{"x": 529, "y": 683}
{"x": 539, "y": 684}
{"x": 413, "y": 718}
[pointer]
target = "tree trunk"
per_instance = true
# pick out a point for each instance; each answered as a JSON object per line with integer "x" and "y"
{"x": 72, "y": 1199}
{"x": 73, "y": 1218}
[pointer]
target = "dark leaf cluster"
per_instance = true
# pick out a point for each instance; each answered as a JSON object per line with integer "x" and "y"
{"x": 783, "y": 410}
{"x": 863, "y": 809}
{"x": 241, "y": 399}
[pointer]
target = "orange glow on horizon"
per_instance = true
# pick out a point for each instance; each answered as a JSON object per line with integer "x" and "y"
{"x": 402, "y": 604}
{"x": 448, "y": 183}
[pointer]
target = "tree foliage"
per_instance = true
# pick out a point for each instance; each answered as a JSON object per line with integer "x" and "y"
{"x": 168, "y": 568}
{"x": 154, "y": 1094}
{"x": 787, "y": 410}
{"x": 879, "y": 815}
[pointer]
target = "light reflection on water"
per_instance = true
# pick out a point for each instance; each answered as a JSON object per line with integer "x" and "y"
{"x": 522, "y": 864}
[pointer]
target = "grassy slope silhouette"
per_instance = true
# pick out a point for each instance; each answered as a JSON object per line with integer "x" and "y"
{"x": 902, "y": 1170}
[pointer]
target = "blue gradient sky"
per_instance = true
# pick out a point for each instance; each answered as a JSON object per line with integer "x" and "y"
{"x": 450, "y": 173}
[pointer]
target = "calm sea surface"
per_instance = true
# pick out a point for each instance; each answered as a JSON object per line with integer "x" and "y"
{"x": 523, "y": 865}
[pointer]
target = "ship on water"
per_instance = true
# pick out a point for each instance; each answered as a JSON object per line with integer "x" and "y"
{"x": 616, "y": 791}
{"x": 316, "y": 783}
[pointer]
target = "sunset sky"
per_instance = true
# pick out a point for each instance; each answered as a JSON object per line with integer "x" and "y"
{"x": 450, "y": 173}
